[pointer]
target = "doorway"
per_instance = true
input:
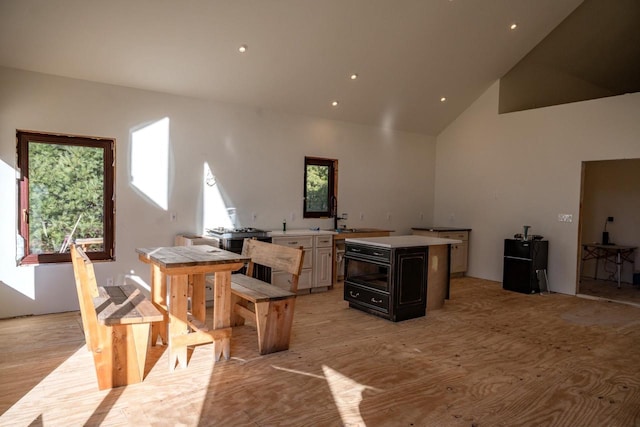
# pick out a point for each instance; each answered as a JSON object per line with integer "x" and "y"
{"x": 610, "y": 202}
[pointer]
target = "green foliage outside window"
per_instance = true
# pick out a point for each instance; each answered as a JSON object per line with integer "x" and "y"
{"x": 317, "y": 188}
{"x": 65, "y": 184}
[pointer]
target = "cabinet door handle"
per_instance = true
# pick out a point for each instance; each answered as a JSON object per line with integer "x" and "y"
{"x": 355, "y": 250}
{"x": 354, "y": 295}
{"x": 376, "y": 300}
{"x": 293, "y": 243}
{"x": 378, "y": 253}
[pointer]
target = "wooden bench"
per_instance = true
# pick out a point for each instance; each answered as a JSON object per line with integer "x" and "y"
{"x": 269, "y": 306}
{"x": 116, "y": 322}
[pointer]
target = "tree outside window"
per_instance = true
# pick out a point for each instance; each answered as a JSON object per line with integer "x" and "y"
{"x": 319, "y": 187}
{"x": 66, "y": 196}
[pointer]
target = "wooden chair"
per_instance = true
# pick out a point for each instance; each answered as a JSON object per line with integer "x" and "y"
{"x": 116, "y": 322}
{"x": 270, "y": 306}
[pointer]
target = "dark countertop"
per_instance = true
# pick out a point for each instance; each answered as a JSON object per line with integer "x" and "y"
{"x": 442, "y": 228}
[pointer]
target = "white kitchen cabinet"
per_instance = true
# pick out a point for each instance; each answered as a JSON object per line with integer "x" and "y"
{"x": 459, "y": 251}
{"x": 323, "y": 261}
{"x": 317, "y": 264}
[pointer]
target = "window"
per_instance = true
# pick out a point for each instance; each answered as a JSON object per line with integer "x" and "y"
{"x": 66, "y": 195}
{"x": 320, "y": 187}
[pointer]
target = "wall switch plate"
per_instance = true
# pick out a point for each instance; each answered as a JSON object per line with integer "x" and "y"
{"x": 565, "y": 217}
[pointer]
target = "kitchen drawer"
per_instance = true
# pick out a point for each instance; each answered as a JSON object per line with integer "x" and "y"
{"x": 458, "y": 235}
{"x": 376, "y": 254}
{"x": 295, "y": 241}
{"x": 281, "y": 279}
{"x": 324, "y": 241}
{"x": 366, "y": 297}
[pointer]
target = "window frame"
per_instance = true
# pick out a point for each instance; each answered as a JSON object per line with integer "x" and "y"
{"x": 108, "y": 146}
{"x": 332, "y": 195}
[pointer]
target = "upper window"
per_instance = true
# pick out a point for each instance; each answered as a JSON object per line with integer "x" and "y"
{"x": 66, "y": 195}
{"x": 320, "y": 182}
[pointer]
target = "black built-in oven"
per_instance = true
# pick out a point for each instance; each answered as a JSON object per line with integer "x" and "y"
{"x": 386, "y": 282}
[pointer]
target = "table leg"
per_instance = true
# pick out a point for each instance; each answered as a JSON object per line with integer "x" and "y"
{"x": 178, "y": 326}
{"x": 618, "y": 265}
{"x": 198, "y": 303}
{"x": 222, "y": 312}
{"x": 159, "y": 299}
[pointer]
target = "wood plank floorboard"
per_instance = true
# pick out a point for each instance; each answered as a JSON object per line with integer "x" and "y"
{"x": 488, "y": 358}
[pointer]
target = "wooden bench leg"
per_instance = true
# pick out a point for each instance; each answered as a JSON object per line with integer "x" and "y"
{"x": 159, "y": 299}
{"x": 273, "y": 321}
{"x": 121, "y": 357}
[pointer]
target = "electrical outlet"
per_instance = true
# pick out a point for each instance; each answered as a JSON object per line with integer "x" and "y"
{"x": 361, "y": 216}
{"x": 292, "y": 216}
{"x": 565, "y": 217}
{"x": 388, "y": 216}
{"x": 609, "y": 219}
{"x": 173, "y": 217}
{"x": 109, "y": 281}
{"x": 345, "y": 216}
{"x": 254, "y": 216}
{"x": 421, "y": 216}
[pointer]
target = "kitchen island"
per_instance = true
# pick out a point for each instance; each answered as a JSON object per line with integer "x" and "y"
{"x": 397, "y": 277}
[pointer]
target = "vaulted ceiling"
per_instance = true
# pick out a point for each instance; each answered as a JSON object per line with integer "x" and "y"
{"x": 301, "y": 54}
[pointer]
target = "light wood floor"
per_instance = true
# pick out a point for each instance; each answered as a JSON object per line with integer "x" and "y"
{"x": 608, "y": 289}
{"x": 489, "y": 358}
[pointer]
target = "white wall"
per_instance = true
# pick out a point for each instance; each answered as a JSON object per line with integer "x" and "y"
{"x": 257, "y": 157}
{"x": 496, "y": 173}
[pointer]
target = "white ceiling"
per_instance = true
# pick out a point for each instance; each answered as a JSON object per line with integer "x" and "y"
{"x": 407, "y": 53}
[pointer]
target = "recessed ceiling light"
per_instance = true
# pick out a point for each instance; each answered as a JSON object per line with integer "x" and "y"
{"x": 243, "y": 48}
{"x": 443, "y": 99}
{"x": 354, "y": 76}
{"x": 514, "y": 26}
{"x": 334, "y": 103}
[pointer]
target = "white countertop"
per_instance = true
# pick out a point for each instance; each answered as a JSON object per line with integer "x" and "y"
{"x": 403, "y": 241}
{"x": 300, "y": 232}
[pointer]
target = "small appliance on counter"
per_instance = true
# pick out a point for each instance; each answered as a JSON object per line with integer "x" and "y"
{"x": 526, "y": 236}
{"x": 605, "y": 233}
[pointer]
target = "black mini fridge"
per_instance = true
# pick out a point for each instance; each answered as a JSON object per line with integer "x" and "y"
{"x": 524, "y": 260}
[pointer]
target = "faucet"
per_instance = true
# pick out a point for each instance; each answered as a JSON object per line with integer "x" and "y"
{"x": 335, "y": 221}
{"x": 334, "y": 212}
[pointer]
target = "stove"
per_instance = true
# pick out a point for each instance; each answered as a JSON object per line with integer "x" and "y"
{"x": 232, "y": 239}
{"x": 236, "y": 233}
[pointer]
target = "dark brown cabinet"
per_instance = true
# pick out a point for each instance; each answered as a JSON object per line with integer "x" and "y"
{"x": 390, "y": 283}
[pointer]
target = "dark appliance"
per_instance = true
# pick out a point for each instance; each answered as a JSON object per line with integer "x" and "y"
{"x": 386, "y": 282}
{"x": 524, "y": 262}
{"x": 232, "y": 239}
